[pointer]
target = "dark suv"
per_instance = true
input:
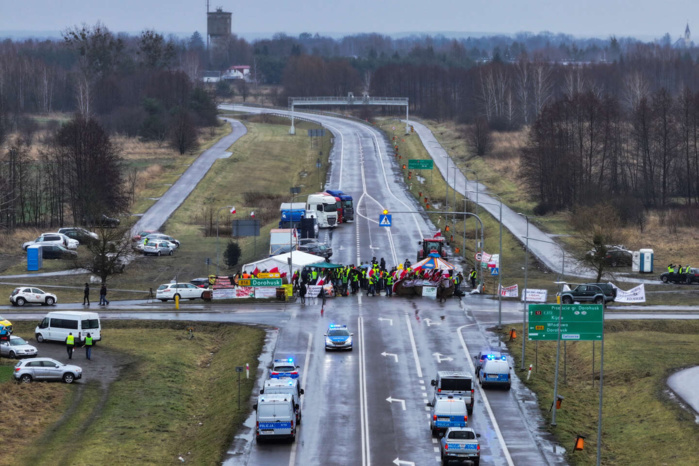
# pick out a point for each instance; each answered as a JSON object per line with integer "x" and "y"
{"x": 598, "y": 293}
{"x": 616, "y": 256}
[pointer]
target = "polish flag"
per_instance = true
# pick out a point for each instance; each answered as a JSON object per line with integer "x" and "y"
{"x": 320, "y": 282}
{"x": 438, "y": 234}
{"x": 252, "y": 214}
{"x": 233, "y": 210}
{"x": 274, "y": 270}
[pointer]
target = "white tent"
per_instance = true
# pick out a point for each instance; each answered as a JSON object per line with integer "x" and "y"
{"x": 281, "y": 261}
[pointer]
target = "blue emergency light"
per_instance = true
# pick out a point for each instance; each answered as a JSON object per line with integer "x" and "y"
{"x": 337, "y": 326}
{"x": 284, "y": 360}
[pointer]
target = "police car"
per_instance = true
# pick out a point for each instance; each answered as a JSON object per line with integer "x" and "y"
{"x": 460, "y": 443}
{"x": 487, "y": 354}
{"x": 338, "y": 337}
{"x": 284, "y": 368}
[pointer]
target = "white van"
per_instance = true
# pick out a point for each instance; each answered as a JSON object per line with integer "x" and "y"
{"x": 275, "y": 417}
{"x": 285, "y": 386}
{"x": 495, "y": 372}
{"x": 325, "y": 208}
{"x": 57, "y": 325}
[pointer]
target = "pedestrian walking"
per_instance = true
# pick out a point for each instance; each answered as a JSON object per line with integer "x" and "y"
{"x": 302, "y": 293}
{"x": 88, "y": 346}
{"x": 322, "y": 296}
{"x": 70, "y": 345}
{"x": 86, "y": 295}
{"x": 103, "y": 295}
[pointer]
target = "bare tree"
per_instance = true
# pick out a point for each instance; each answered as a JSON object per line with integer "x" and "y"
{"x": 524, "y": 88}
{"x": 542, "y": 86}
{"x": 183, "y": 133}
{"x": 598, "y": 230}
{"x": 479, "y": 138}
{"x": 108, "y": 255}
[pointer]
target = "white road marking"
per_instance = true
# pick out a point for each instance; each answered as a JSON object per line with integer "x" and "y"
{"x": 430, "y": 323}
{"x": 385, "y": 354}
{"x": 390, "y": 321}
{"x": 391, "y": 400}
{"x": 398, "y": 462}
{"x": 434, "y": 440}
{"x": 440, "y": 358}
{"x": 366, "y": 458}
{"x": 412, "y": 343}
{"x": 436, "y": 449}
{"x": 484, "y": 397}
{"x": 422, "y": 382}
{"x": 306, "y": 362}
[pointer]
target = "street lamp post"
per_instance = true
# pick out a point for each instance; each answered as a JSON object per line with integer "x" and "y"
{"x": 477, "y": 190}
{"x": 500, "y": 262}
{"x": 524, "y": 313}
{"x": 293, "y": 191}
{"x": 218, "y": 217}
{"x": 558, "y": 340}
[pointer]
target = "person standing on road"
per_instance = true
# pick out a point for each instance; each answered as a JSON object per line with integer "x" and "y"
{"x": 70, "y": 345}
{"x": 321, "y": 295}
{"x": 389, "y": 285}
{"x": 86, "y": 296}
{"x": 302, "y": 293}
{"x": 88, "y": 346}
{"x": 472, "y": 276}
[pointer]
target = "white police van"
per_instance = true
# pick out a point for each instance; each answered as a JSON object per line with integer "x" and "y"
{"x": 455, "y": 383}
{"x": 447, "y": 411}
{"x": 495, "y": 372}
{"x": 276, "y": 418}
{"x": 285, "y": 386}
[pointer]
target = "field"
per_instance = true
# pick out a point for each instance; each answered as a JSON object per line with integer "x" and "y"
{"x": 266, "y": 162}
{"x": 642, "y": 425}
{"x": 175, "y": 395}
{"x": 499, "y": 171}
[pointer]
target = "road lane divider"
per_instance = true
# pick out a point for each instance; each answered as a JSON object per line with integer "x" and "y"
{"x": 366, "y": 458}
{"x": 304, "y": 377}
{"x": 484, "y": 397}
{"x": 412, "y": 343}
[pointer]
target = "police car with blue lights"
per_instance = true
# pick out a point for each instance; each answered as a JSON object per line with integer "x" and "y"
{"x": 487, "y": 354}
{"x": 338, "y": 337}
{"x": 284, "y": 368}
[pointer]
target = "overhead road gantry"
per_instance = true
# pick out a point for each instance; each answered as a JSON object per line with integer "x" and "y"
{"x": 350, "y": 100}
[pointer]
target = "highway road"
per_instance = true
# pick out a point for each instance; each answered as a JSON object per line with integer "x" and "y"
{"x": 371, "y": 406}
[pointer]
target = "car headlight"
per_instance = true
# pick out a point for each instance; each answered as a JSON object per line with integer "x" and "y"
{"x": 328, "y": 341}
{"x": 349, "y": 340}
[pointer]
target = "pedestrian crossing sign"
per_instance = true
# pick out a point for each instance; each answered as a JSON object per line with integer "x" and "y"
{"x": 385, "y": 220}
{"x": 494, "y": 271}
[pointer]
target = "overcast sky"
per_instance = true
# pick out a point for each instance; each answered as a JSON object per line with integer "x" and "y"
{"x": 640, "y": 18}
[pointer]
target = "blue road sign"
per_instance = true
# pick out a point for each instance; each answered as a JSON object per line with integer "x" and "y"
{"x": 495, "y": 271}
{"x": 385, "y": 220}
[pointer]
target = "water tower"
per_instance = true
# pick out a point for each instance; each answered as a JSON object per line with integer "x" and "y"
{"x": 218, "y": 25}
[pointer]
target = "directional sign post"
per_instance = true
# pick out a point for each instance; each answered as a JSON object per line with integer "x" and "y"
{"x": 420, "y": 164}
{"x": 385, "y": 220}
{"x": 579, "y": 322}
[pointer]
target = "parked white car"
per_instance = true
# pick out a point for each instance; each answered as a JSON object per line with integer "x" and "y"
{"x": 160, "y": 236}
{"x": 47, "y": 239}
{"x": 158, "y": 248}
{"x": 141, "y": 244}
{"x": 29, "y": 295}
{"x": 17, "y": 348}
{"x": 183, "y": 290}
{"x": 70, "y": 242}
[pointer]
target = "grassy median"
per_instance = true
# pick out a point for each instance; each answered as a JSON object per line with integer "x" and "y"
{"x": 173, "y": 396}
{"x": 642, "y": 424}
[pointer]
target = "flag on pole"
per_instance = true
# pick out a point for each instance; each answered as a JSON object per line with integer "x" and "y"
{"x": 252, "y": 214}
{"x": 233, "y": 210}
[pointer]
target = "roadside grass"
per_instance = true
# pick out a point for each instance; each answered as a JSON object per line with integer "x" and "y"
{"x": 638, "y": 413}
{"x": 175, "y": 395}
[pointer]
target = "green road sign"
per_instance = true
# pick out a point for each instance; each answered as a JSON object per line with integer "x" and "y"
{"x": 260, "y": 282}
{"x": 579, "y": 322}
{"x": 420, "y": 164}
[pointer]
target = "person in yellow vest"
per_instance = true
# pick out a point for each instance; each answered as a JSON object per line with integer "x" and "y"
{"x": 70, "y": 345}
{"x": 88, "y": 346}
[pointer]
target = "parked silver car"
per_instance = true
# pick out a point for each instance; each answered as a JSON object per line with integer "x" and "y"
{"x": 158, "y": 248}
{"x": 29, "y": 370}
{"x": 17, "y": 348}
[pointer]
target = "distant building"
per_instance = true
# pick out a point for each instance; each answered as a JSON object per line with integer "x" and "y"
{"x": 237, "y": 72}
{"x": 685, "y": 42}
